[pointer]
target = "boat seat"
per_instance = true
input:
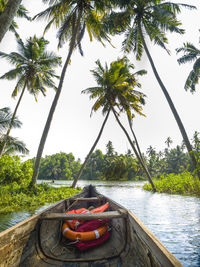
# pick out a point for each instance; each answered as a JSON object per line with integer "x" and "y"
{"x": 120, "y": 213}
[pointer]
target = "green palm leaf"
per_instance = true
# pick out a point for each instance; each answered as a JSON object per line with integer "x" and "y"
{"x": 190, "y": 54}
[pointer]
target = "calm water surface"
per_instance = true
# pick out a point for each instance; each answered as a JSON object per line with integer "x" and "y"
{"x": 174, "y": 219}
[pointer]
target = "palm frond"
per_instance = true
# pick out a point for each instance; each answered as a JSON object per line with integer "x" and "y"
{"x": 13, "y": 145}
{"x": 12, "y": 74}
{"x": 190, "y": 53}
{"x": 6, "y": 118}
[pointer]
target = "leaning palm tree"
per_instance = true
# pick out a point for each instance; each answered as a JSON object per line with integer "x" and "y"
{"x": 190, "y": 54}
{"x": 12, "y": 144}
{"x": 152, "y": 18}
{"x": 21, "y": 12}
{"x": 72, "y": 18}
{"x": 116, "y": 90}
{"x": 34, "y": 71}
{"x": 8, "y": 10}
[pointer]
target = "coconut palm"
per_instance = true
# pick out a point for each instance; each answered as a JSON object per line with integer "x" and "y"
{"x": 91, "y": 150}
{"x": 12, "y": 144}
{"x": 34, "y": 70}
{"x": 152, "y": 18}
{"x": 9, "y": 10}
{"x": 116, "y": 90}
{"x": 72, "y": 18}
{"x": 169, "y": 141}
{"x": 190, "y": 54}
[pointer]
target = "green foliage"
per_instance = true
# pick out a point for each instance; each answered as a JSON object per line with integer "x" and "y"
{"x": 183, "y": 183}
{"x": 60, "y": 166}
{"x": 95, "y": 166}
{"x": 9, "y": 144}
{"x": 14, "y": 197}
{"x": 190, "y": 54}
{"x": 13, "y": 170}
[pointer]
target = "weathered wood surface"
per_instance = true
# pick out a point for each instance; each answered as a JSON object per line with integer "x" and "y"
{"x": 121, "y": 213}
{"x": 29, "y": 243}
{"x": 155, "y": 248}
{"x": 87, "y": 199}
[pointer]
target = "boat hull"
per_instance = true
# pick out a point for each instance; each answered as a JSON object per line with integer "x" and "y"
{"x": 38, "y": 241}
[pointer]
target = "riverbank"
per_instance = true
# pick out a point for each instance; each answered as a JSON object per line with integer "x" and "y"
{"x": 183, "y": 184}
{"x": 14, "y": 197}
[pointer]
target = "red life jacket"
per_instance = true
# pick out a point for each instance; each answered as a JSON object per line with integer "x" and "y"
{"x": 90, "y": 226}
{"x": 94, "y": 243}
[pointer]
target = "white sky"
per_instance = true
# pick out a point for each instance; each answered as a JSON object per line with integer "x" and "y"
{"x": 72, "y": 129}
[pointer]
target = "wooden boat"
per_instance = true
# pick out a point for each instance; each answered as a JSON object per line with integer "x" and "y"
{"x": 38, "y": 240}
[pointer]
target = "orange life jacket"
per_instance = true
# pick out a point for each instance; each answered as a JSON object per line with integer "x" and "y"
{"x": 73, "y": 224}
{"x": 83, "y": 236}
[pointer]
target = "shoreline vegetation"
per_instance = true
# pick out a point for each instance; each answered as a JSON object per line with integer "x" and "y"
{"x": 171, "y": 170}
{"x": 183, "y": 184}
{"x": 15, "y": 197}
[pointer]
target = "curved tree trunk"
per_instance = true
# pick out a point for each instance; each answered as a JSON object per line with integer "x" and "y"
{"x": 53, "y": 107}
{"x": 135, "y": 151}
{"x": 12, "y": 119}
{"x": 90, "y": 152}
{"x": 171, "y": 104}
{"x": 136, "y": 141}
{"x": 7, "y": 16}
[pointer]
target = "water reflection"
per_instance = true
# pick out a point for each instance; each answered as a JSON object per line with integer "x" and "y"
{"x": 175, "y": 220}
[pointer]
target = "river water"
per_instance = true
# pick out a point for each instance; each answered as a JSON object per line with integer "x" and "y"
{"x": 173, "y": 219}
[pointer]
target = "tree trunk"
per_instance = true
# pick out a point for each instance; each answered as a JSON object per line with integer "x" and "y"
{"x": 53, "y": 107}
{"x": 136, "y": 141}
{"x": 7, "y": 16}
{"x": 135, "y": 151}
{"x": 90, "y": 152}
{"x": 171, "y": 104}
{"x": 12, "y": 119}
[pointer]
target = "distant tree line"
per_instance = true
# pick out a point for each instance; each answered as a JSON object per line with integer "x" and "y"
{"x": 115, "y": 166}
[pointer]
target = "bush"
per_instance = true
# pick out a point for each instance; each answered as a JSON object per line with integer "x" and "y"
{"x": 14, "y": 197}
{"x": 12, "y": 169}
{"x": 183, "y": 183}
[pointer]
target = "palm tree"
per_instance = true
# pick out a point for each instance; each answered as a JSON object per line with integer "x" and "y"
{"x": 169, "y": 141}
{"x": 8, "y": 10}
{"x": 151, "y": 18}
{"x": 190, "y": 54}
{"x": 34, "y": 71}
{"x": 22, "y": 12}
{"x": 72, "y": 18}
{"x": 12, "y": 144}
{"x": 151, "y": 151}
{"x": 116, "y": 89}
{"x": 91, "y": 150}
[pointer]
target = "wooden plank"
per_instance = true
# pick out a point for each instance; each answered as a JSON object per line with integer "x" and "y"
{"x": 89, "y": 199}
{"x": 121, "y": 213}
